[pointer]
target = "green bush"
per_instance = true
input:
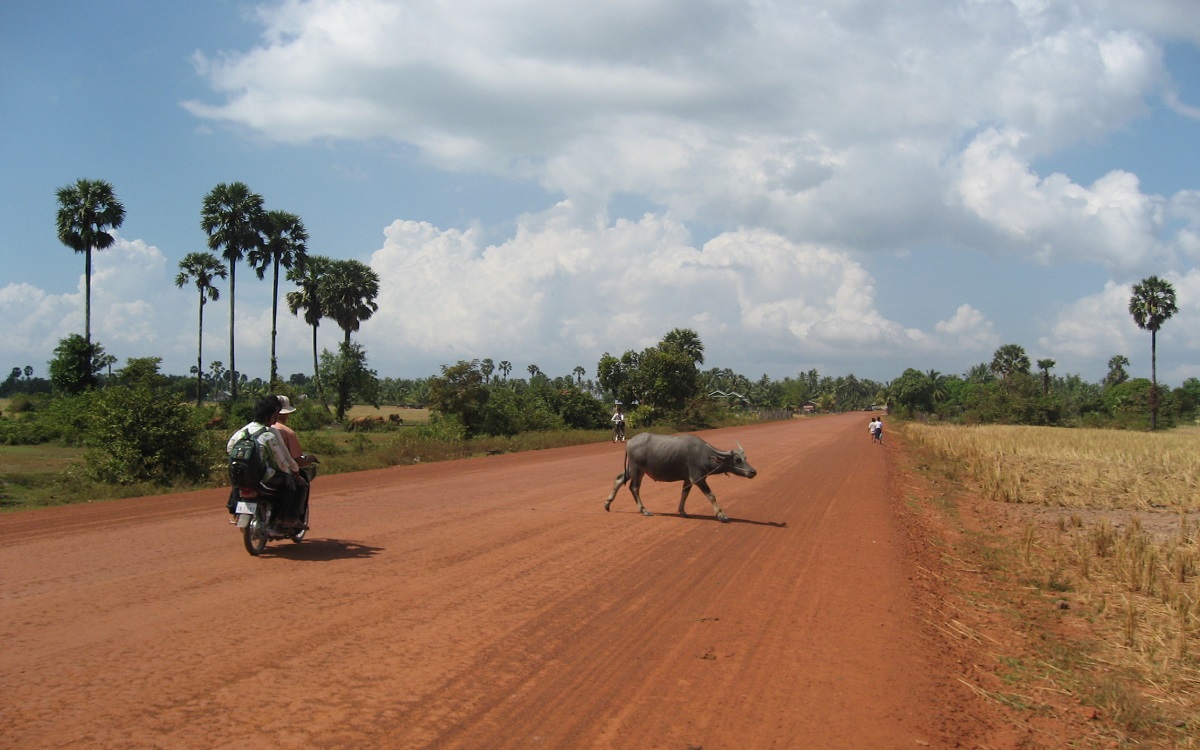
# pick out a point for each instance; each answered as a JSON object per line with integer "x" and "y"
{"x": 141, "y": 434}
{"x": 20, "y": 404}
{"x": 61, "y": 420}
{"x": 443, "y": 428}
{"x": 318, "y": 444}
{"x": 309, "y": 415}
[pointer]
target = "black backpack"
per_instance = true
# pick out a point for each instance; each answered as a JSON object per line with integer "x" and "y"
{"x": 246, "y": 465}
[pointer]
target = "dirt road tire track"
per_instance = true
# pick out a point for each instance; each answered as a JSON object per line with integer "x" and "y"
{"x": 491, "y": 603}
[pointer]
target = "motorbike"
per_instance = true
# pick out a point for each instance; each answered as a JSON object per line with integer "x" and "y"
{"x": 260, "y": 521}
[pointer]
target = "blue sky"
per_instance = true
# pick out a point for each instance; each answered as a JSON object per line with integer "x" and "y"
{"x": 852, "y": 187}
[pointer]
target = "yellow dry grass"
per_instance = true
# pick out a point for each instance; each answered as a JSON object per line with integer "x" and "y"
{"x": 1074, "y": 468}
{"x": 1111, "y": 530}
{"x": 410, "y": 416}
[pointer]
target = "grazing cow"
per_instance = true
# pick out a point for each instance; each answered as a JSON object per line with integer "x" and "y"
{"x": 215, "y": 423}
{"x": 678, "y": 458}
{"x": 363, "y": 423}
{"x": 395, "y": 419}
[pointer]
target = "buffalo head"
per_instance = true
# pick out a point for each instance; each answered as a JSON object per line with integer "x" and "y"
{"x": 733, "y": 462}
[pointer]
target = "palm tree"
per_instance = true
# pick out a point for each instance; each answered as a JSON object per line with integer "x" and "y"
{"x": 205, "y": 269}
{"x": 1010, "y": 359}
{"x": 685, "y": 340}
{"x": 1116, "y": 370}
{"x": 283, "y": 244}
{"x": 231, "y": 217}
{"x": 938, "y": 391}
{"x": 86, "y": 210}
{"x": 348, "y": 293}
{"x": 505, "y": 367}
{"x": 980, "y": 373}
{"x": 1045, "y": 365}
{"x": 487, "y": 367}
{"x": 1152, "y": 304}
{"x": 579, "y": 372}
{"x": 308, "y": 274}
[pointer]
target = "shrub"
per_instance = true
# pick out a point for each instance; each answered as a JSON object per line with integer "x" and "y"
{"x": 309, "y": 415}
{"x": 20, "y": 404}
{"x": 76, "y": 364}
{"x": 444, "y": 428}
{"x": 321, "y": 445}
{"x": 140, "y": 434}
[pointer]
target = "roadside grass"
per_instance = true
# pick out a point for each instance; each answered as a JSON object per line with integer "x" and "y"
{"x": 1095, "y": 552}
{"x": 35, "y": 476}
{"x": 341, "y": 451}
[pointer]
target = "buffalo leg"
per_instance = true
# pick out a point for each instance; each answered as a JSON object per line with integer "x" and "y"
{"x": 703, "y": 485}
{"x": 635, "y": 489}
{"x": 687, "y": 487}
{"x": 621, "y": 479}
{"x": 634, "y": 477}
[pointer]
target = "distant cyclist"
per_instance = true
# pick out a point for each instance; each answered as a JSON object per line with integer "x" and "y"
{"x": 618, "y": 419}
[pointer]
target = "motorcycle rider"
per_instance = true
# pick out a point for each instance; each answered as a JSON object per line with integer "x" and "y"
{"x": 281, "y": 470}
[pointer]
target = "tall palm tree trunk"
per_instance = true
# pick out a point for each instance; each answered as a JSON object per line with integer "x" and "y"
{"x": 200, "y": 353}
{"x": 317, "y": 371}
{"x": 232, "y": 367}
{"x": 87, "y": 310}
{"x": 274, "y": 319}
{"x": 87, "y": 298}
{"x": 1153, "y": 380}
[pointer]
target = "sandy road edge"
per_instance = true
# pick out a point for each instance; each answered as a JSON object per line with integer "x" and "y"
{"x": 985, "y": 621}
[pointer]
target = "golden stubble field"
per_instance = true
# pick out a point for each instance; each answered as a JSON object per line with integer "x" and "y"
{"x": 1105, "y": 526}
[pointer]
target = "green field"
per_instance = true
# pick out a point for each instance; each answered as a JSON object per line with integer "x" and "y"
{"x": 32, "y": 475}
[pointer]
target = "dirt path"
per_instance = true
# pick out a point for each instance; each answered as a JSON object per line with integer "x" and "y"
{"x": 490, "y": 603}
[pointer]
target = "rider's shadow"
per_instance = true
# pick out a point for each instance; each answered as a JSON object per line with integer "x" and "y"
{"x": 323, "y": 550}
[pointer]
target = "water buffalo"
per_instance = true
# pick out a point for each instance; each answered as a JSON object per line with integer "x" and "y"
{"x": 678, "y": 458}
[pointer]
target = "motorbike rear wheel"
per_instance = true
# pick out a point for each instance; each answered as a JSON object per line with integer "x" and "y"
{"x": 255, "y": 533}
{"x": 299, "y": 535}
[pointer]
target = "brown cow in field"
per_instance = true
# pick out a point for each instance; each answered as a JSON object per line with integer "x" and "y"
{"x": 395, "y": 419}
{"x": 362, "y": 424}
{"x": 215, "y": 423}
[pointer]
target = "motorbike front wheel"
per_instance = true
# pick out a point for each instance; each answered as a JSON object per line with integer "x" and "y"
{"x": 255, "y": 533}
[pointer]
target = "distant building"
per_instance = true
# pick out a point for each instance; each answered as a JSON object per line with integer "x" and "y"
{"x": 732, "y": 398}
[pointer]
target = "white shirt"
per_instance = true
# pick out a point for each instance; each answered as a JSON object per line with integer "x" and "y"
{"x": 274, "y": 451}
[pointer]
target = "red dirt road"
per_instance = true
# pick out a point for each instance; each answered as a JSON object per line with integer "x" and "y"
{"x": 491, "y": 603}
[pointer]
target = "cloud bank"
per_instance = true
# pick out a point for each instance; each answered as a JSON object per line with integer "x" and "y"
{"x": 776, "y": 151}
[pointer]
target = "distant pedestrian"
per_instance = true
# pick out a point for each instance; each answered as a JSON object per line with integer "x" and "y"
{"x": 877, "y": 433}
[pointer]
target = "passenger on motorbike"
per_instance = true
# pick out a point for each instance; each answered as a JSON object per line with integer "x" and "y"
{"x": 292, "y": 442}
{"x": 281, "y": 470}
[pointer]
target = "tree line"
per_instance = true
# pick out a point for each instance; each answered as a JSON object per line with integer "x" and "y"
{"x": 1006, "y": 391}
{"x": 239, "y": 227}
{"x": 143, "y": 428}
